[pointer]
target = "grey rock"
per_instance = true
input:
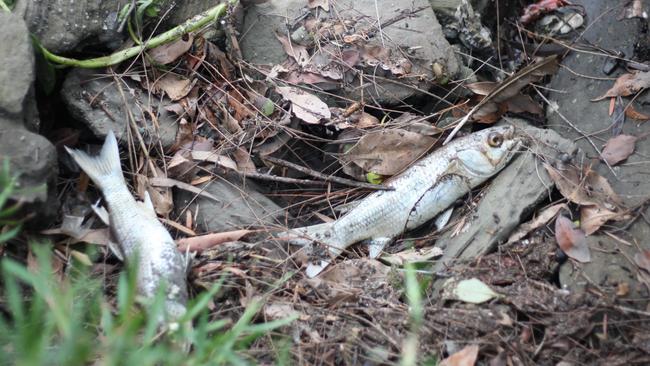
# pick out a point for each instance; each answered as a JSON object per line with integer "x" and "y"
{"x": 33, "y": 158}
{"x": 96, "y": 100}
{"x": 17, "y": 71}
{"x": 510, "y": 198}
{"x": 240, "y": 205}
{"x": 573, "y": 95}
{"x": 63, "y": 25}
{"x": 419, "y": 37}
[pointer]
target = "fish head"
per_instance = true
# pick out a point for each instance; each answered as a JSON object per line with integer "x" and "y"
{"x": 486, "y": 152}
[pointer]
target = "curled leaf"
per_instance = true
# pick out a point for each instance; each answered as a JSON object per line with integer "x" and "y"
{"x": 627, "y": 84}
{"x": 305, "y": 106}
{"x": 572, "y": 241}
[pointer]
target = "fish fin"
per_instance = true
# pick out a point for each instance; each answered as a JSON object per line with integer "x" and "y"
{"x": 314, "y": 269}
{"x": 104, "y": 167}
{"x": 317, "y": 237}
{"x": 101, "y": 212}
{"x": 442, "y": 219}
{"x": 117, "y": 251}
{"x": 376, "y": 246}
{"x": 148, "y": 204}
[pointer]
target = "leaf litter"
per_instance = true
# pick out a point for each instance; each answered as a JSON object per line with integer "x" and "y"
{"x": 359, "y": 304}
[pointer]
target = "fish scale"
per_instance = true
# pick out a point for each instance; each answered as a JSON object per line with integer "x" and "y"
{"x": 419, "y": 193}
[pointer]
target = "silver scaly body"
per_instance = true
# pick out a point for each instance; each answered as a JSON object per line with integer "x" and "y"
{"x": 139, "y": 234}
{"x": 420, "y": 193}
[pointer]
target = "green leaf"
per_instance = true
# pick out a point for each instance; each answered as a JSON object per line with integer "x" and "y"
{"x": 10, "y": 234}
{"x": 474, "y": 291}
{"x": 374, "y": 178}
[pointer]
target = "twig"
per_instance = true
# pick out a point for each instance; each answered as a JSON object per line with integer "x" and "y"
{"x": 328, "y": 178}
{"x": 190, "y": 25}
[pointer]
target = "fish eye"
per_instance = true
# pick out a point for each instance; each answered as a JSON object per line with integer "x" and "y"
{"x": 495, "y": 139}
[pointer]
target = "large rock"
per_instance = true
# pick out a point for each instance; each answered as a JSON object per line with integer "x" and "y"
{"x": 240, "y": 206}
{"x": 17, "y": 71}
{"x": 510, "y": 198}
{"x": 33, "y": 158}
{"x": 96, "y": 100}
{"x": 417, "y": 37}
{"x": 573, "y": 93}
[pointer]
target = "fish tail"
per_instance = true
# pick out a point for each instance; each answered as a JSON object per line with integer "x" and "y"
{"x": 321, "y": 235}
{"x": 104, "y": 169}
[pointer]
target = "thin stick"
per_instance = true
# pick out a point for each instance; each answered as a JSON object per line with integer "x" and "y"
{"x": 328, "y": 178}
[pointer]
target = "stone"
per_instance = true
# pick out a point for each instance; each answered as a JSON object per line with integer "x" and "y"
{"x": 17, "y": 71}
{"x": 240, "y": 206}
{"x": 509, "y": 199}
{"x": 96, "y": 101}
{"x": 571, "y": 95}
{"x": 417, "y": 37}
{"x": 34, "y": 159}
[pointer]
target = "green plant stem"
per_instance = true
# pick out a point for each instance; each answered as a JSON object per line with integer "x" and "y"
{"x": 189, "y": 26}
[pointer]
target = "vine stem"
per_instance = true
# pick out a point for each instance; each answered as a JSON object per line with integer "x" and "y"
{"x": 190, "y": 25}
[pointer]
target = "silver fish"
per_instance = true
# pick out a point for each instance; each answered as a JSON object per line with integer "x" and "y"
{"x": 139, "y": 234}
{"x": 420, "y": 193}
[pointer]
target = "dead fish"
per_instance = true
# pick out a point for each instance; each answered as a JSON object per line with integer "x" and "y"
{"x": 139, "y": 234}
{"x": 420, "y": 193}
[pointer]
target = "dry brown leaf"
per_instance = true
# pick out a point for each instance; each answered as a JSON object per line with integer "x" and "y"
{"x": 572, "y": 241}
{"x": 618, "y": 148}
{"x": 524, "y": 103}
{"x": 214, "y": 157}
{"x": 204, "y": 242}
{"x": 243, "y": 160}
{"x": 325, "y": 4}
{"x": 642, "y": 259}
{"x": 296, "y": 51}
{"x": 593, "y": 217}
{"x": 169, "y": 52}
{"x": 176, "y": 87}
{"x": 305, "y": 106}
{"x": 631, "y": 112}
{"x": 465, "y": 357}
{"x": 482, "y": 87}
{"x": 367, "y": 120}
{"x": 161, "y": 197}
{"x": 168, "y": 182}
{"x": 542, "y": 219}
{"x": 627, "y": 84}
{"x": 584, "y": 189}
{"x": 275, "y": 311}
{"x": 388, "y": 152}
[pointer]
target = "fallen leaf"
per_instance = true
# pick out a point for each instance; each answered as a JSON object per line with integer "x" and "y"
{"x": 634, "y": 114}
{"x": 482, "y": 87}
{"x": 168, "y": 182}
{"x": 296, "y": 51}
{"x": 205, "y": 242}
{"x": 626, "y": 85}
{"x": 214, "y": 157}
{"x": 325, "y": 4}
{"x": 305, "y": 106}
{"x": 524, "y": 103}
{"x": 367, "y": 120}
{"x": 542, "y": 219}
{"x": 169, "y": 52}
{"x": 176, "y": 87}
{"x": 618, "y": 148}
{"x": 244, "y": 162}
{"x": 473, "y": 291}
{"x": 387, "y": 152}
{"x": 572, "y": 241}
{"x": 465, "y": 357}
{"x": 537, "y": 9}
{"x": 277, "y": 311}
{"x": 593, "y": 217}
{"x": 588, "y": 188}
{"x": 412, "y": 256}
{"x": 642, "y": 259}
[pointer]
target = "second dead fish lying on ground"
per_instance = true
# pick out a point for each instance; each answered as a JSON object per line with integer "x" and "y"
{"x": 420, "y": 193}
{"x": 139, "y": 234}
